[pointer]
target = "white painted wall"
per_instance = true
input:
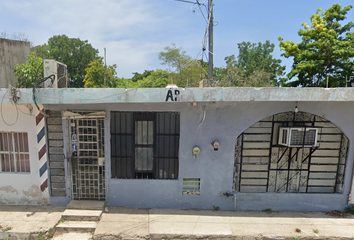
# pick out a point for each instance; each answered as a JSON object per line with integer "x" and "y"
{"x": 23, "y": 188}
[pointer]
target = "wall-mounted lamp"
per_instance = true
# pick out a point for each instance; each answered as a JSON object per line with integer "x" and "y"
{"x": 216, "y": 145}
{"x": 296, "y": 109}
{"x": 195, "y": 151}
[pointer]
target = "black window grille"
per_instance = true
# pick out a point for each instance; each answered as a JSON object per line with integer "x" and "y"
{"x": 144, "y": 145}
{"x": 262, "y": 165}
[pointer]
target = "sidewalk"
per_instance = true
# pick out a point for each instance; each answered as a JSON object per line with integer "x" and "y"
{"x": 21, "y": 222}
{"x": 176, "y": 224}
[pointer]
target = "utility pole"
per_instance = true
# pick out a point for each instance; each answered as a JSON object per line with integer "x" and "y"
{"x": 105, "y": 67}
{"x": 211, "y": 50}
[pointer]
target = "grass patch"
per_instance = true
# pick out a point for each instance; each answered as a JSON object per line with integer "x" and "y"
{"x": 350, "y": 210}
{"x": 63, "y": 219}
{"x": 5, "y": 229}
{"x": 315, "y": 231}
{"x": 298, "y": 230}
{"x": 267, "y": 210}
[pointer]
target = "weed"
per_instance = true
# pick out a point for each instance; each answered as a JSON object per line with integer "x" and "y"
{"x": 63, "y": 219}
{"x": 295, "y": 239}
{"x": 50, "y": 232}
{"x": 267, "y": 210}
{"x": 41, "y": 235}
{"x": 92, "y": 235}
{"x": 7, "y": 238}
{"x": 349, "y": 209}
{"x": 216, "y": 208}
{"x": 315, "y": 231}
{"x": 6, "y": 229}
{"x": 298, "y": 230}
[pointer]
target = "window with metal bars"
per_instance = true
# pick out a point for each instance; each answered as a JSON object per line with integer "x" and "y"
{"x": 14, "y": 152}
{"x": 144, "y": 145}
{"x": 264, "y": 165}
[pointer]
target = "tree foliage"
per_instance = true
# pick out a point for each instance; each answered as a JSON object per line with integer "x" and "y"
{"x": 94, "y": 77}
{"x": 253, "y": 67}
{"x": 73, "y": 52}
{"x": 155, "y": 79}
{"x": 326, "y": 49}
{"x": 138, "y": 76}
{"x": 255, "y": 61}
{"x": 186, "y": 71}
{"x": 30, "y": 72}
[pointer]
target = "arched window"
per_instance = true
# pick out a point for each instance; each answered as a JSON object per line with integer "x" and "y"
{"x": 290, "y": 152}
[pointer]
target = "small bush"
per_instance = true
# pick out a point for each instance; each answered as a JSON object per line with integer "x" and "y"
{"x": 267, "y": 210}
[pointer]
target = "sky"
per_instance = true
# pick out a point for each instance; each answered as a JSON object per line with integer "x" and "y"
{"x": 134, "y": 32}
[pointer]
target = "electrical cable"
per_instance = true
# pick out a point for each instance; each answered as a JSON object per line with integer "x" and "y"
{"x": 2, "y": 115}
{"x": 52, "y": 77}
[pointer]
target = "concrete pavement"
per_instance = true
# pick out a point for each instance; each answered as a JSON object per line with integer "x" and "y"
{"x": 176, "y": 224}
{"x": 22, "y": 222}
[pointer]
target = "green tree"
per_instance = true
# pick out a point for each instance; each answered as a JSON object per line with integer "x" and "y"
{"x": 30, "y": 72}
{"x": 157, "y": 79}
{"x": 94, "y": 77}
{"x": 73, "y": 52}
{"x": 186, "y": 71}
{"x": 138, "y": 76}
{"x": 326, "y": 49}
{"x": 234, "y": 76}
{"x": 254, "y": 59}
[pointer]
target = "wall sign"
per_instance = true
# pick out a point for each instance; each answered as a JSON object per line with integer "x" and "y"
{"x": 74, "y": 147}
{"x": 172, "y": 95}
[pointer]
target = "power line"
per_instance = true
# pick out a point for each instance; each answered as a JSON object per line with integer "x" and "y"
{"x": 208, "y": 33}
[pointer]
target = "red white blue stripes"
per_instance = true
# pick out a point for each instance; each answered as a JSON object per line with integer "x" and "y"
{"x": 42, "y": 152}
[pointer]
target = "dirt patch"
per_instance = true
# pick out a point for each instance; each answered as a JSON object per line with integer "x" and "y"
{"x": 338, "y": 214}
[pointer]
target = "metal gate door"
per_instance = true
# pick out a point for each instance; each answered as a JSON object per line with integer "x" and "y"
{"x": 87, "y": 161}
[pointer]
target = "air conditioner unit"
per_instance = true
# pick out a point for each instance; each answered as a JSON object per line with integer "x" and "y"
{"x": 60, "y": 72}
{"x": 298, "y": 136}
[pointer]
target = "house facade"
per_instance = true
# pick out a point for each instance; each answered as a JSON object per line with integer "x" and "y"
{"x": 232, "y": 148}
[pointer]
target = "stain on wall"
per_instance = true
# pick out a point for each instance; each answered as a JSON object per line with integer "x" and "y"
{"x": 32, "y": 196}
{"x": 8, "y": 189}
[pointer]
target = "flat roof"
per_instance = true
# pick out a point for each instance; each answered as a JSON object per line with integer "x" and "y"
{"x": 160, "y": 95}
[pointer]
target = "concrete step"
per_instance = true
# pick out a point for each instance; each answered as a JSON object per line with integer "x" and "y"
{"x": 76, "y": 226}
{"x": 86, "y": 205}
{"x": 82, "y": 215}
{"x": 72, "y": 236}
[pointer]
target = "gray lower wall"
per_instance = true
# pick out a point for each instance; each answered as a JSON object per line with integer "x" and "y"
{"x": 224, "y": 122}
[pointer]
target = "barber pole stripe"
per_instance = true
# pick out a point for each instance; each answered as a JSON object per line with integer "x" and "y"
{"x": 39, "y": 117}
{"x": 40, "y": 135}
{"x": 42, "y": 150}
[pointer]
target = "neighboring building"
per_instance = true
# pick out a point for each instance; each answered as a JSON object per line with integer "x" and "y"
{"x": 12, "y": 52}
{"x": 194, "y": 148}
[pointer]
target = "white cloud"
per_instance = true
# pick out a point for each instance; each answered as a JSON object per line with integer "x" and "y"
{"x": 134, "y": 32}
